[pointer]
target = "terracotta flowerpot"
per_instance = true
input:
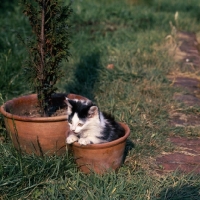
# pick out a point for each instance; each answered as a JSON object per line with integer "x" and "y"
{"x": 100, "y": 158}
{"x": 38, "y": 135}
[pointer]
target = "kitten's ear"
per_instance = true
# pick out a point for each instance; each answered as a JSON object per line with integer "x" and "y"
{"x": 69, "y": 106}
{"x": 92, "y": 111}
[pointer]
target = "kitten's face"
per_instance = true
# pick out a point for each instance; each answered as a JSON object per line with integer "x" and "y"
{"x": 80, "y": 114}
{"x": 75, "y": 123}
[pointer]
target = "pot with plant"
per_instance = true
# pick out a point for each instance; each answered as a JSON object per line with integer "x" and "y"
{"x": 36, "y": 122}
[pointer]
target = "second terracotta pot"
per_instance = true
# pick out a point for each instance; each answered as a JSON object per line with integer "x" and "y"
{"x": 100, "y": 158}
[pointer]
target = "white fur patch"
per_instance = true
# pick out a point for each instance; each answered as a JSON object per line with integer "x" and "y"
{"x": 84, "y": 141}
{"x": 75, "y": 121}
{"x": 92, "y": 130}
{"x": 71, "y": 138}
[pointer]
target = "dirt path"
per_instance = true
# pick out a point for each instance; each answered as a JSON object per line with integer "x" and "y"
{"x": 186, "y": 157}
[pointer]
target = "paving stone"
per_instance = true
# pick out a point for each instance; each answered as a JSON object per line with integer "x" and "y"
{"x": 187, "y": 49}
{"x": 179, "y": 161}
{"x": 190, "y": 145}
{"x": 189, "y": 84}
{"x": 187, "y": 99}
{"x": 185, "y": 159}
{"x": 180, "y": 119}
{"x": 186, "y": 168}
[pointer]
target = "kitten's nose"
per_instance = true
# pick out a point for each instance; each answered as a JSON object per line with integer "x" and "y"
{"x": 73, "y": 129}
{"x": 74, "y": 132}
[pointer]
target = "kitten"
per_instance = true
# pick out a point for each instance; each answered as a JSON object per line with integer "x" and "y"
{"x": 90, "y": 126}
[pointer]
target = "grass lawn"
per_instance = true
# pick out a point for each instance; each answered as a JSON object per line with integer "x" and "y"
{"x": 130, "y": 34}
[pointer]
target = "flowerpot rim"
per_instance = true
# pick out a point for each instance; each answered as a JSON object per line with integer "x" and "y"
{"x": 34, "y": 119}
{"x": 107, "y": 144}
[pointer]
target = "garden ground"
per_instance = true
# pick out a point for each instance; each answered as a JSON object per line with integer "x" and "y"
{"x": 128, "y": 57}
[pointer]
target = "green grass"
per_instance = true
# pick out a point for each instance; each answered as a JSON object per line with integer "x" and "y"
{"x": 130, "y": 36}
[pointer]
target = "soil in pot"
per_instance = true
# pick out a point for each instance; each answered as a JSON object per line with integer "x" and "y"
{"x": 32, "y": 134}
{"x": 29, "y": 108}
{"x": 100, "y": 158}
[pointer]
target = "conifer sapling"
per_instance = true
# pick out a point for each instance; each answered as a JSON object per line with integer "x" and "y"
{"x": 48, "y": 46}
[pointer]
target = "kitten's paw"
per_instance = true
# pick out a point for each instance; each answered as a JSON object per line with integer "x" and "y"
{"x": 71, "y": 138}
{"x": 84, "y": 141}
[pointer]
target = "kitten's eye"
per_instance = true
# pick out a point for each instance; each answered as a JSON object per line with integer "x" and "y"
{"x": 79, "y": 124}
{"x": 70, "y": 121}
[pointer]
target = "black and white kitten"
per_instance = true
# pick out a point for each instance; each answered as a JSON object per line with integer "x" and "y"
{"x": 90, "y": 126}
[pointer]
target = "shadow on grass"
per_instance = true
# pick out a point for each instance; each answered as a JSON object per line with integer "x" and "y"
{"x": 185, "y": 192}
{"x": 85, "y": 76}
{"x": 129, "y": 146}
